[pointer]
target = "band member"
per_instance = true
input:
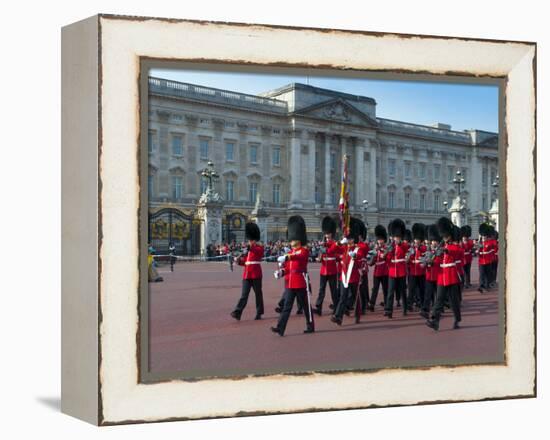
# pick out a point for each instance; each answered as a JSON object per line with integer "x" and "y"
{"x": 486, "y": 256}
{"x": 172, "y": 252}
{"x": 456, "y": 239}
{"x": 468, "y": 245}
{"x": 417, "y": 272}
{"x": 447, "y": 280}
{"x": 295, "y": 274}
{"x": 432, "y": 261}
{"x": 329, "y": 270}
{"x": 252, "y": 273}
{"x": 364, "y": 269}
{"x": 380, "y": 276}
{"x": 397, "y": 271}
{"x": 351, "y": 261}
{"x": 494, "y": 265}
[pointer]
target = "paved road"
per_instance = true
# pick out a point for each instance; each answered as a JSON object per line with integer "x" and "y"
{"x": 192, "y": 333}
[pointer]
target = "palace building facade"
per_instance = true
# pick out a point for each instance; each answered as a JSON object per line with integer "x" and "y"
{"x": 285, "y": 148}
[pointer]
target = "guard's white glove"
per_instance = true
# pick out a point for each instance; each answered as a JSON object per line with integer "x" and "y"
{"x": 281, "y": 259}
{"x": 352, "y": 254}
{"x": 344, "y": 241}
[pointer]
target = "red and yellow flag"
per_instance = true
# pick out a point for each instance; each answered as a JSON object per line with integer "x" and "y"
{"x": 343, "y": 205}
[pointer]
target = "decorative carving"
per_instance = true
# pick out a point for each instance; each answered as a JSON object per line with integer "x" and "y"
{"x": 337, "y": 111}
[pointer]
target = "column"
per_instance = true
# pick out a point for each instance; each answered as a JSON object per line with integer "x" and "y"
{"x": 371, "y": 178}
{"x": 310, "y": 185}
{"x": 295, "y": 166}
{"x": 359, "y": 177}
{"x": 474, "y": 185}
{"x": 327, "y": 171}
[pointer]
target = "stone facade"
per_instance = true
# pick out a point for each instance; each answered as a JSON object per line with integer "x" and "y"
{"x": 286, "y": 146}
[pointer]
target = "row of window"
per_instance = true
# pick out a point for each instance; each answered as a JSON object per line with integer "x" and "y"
{"x": 420, "y": 170}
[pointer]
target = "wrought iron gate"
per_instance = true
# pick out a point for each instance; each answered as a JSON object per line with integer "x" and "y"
{"x": 170, "y": 225}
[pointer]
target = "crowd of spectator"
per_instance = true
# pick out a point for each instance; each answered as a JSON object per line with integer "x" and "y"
{"x": 272, "y": 249}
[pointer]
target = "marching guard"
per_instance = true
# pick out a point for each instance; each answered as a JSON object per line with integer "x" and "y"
{"x": 252, "y": 273}
{"x": 364, "y": 269}
{"x": 380, "y": 275}
{"x": 432, "y": 261}
{"x": 329, "y": 269}
{"x": 395, "y": 255}
{"x": 486, "y": 257}
{"x": 295, "y": 274}
{"x": 468, "y": 245}
{"x": 417, "y": 272}
{"x": 448, "y": 281}
{"x": 351, "y": 261}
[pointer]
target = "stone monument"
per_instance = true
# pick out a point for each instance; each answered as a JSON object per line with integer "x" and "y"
{"x": 210, "y": 211}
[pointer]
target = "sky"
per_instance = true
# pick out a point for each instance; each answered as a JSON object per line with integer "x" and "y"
{"x": 463, "y": 106}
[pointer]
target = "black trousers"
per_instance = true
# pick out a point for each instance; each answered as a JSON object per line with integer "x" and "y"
{"x": 255, "y": 284}
{"x": 347, "y": 297}
{"x": 396, "y": 288}
{"x": 467, "y": 271}
{"x": 484, "y": 275}
{"x": 444, "y": 294}
{"x": 172, "y": 262}
{"x": 331, "y": 280}
{"x": 494, "y": 269}
{"x": 376, "y": 282}
{"x": 290, "y": 295}
{"x": 416, "y": 290}
{"x": 430, "y": 292}
{"x": 364, "y": 292}
{"x": 299, "y": 302}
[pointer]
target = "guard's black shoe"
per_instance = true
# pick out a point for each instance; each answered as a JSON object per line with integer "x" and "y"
{"x": 278, "y": 310}
{"x": 236, "y": 315}
{"x": 371, "y": 308}
{"x": 398, "y": 304}
{"x": 258, "y": 317}
{"x": 480, "y": 290}
{"x": 388, "y": 314}
{"x": 331, "y": 306}
{"x": 309, "y": 330}
{"x": 299, "y": 312}
{"x": 347, "y": 312}
{"x": 381, "y": 304}
{"x": 318, "y": 311}
{"x": 456, "y": 326}
{"x": 433, "y": 324}
{"x": 276, "y": 330}
{"x": 424, "y": 314}
{"x": 336, "y": 320}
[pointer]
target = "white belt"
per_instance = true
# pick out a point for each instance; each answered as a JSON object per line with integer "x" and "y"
{"x": 467, "y": 253}
{"x": 329, "y": 259}
{"x": 401, "y": 260}
{"x": 252, "y": 262}
{"x": 378, "y": 263}
{"x": 417, "y": 261}
{"x": 447, "y": 265}
{"x": 485, "y": 253}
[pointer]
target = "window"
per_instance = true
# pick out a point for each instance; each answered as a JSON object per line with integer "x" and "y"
{"x": 484, "y": 176}
{"x": 177, "y": 145}
{"x": 229, "y": 190}
{"x": 204, "y": 185}
{"x": 229, "y": 151}
{"x": 407, "y": 169}
{"x": 391, "y": 199}
{"x": 150, "y": 185}
{"x": 437, "y": 172}
{"x": 204, "y": 148}
{"x": 252, "y": 192}
{"x": 450, "y": 174}
{"x": 177, "y": 187}
{"x": 422, "y": 170}
{"x": 333, "y": 161}
{"x": 493, "y": 175}
{"x": 151, "y": 141}
{"x": 407, "y": 200}
{"x": 253, "y": 154}
{"x": 391, "y": 167}
{"x": 484, "y": 202}
{"x": 276, "y": 156}
{"x": 422, "y": 201}
{"x": 437, "y": 206}
{"x": 276, "y": 193}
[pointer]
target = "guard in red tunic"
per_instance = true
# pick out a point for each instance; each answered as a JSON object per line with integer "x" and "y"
{"x": 486, "y": 257}
{"x": 417, "y": 272}
{"x": 380, "y": 275}
{"x": 329, "y": 269}
{"x": 494, "y": 265}
{"x": 252, "y": 273}
{"x": 468, "y": 245}
{"x": 295, "y": 274}
{"x": 351, "y": 260}
{"x": 395, "y": 255}
{"x": 364, "y": 269}
{"x": 448, "y": 280}
{"x": 432, "y": 260}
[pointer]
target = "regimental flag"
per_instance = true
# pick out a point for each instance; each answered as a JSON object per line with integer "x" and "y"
{"x": 344, "y": 198}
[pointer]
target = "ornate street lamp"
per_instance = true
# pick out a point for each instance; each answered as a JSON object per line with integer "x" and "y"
{"x": 209, "y": 174}
{"x": 459, "y": 181}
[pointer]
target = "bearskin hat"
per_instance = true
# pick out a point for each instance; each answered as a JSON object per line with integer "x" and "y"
{"x": 296, "y": 229}
{"x": 456, "y": 233}
{"x": 362, "y": 230}
{"x": 433, "y": 233}
{"x": 484, "y": 229}
{"x": 445, "y": 227}
{"x": 466, "y": 231}
{"x": 328, "y": 225}
{"x": 251, "y": 231}
{"x": 380, "y": 233}
{"x": 492, "y": 231}
{"x": 354, "y": 228}
{"x": 419, "y": 231}
{"x": 408, "y": 235}
{"x": 396, "y": 228}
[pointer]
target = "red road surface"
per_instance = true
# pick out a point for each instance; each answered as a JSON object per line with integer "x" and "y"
{"x": 191, "y": 332}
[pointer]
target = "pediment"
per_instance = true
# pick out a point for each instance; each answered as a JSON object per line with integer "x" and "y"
{"x": 337, "y": 110}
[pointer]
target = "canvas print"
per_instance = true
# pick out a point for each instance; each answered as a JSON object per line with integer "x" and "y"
{"x": 301, "y": 223}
